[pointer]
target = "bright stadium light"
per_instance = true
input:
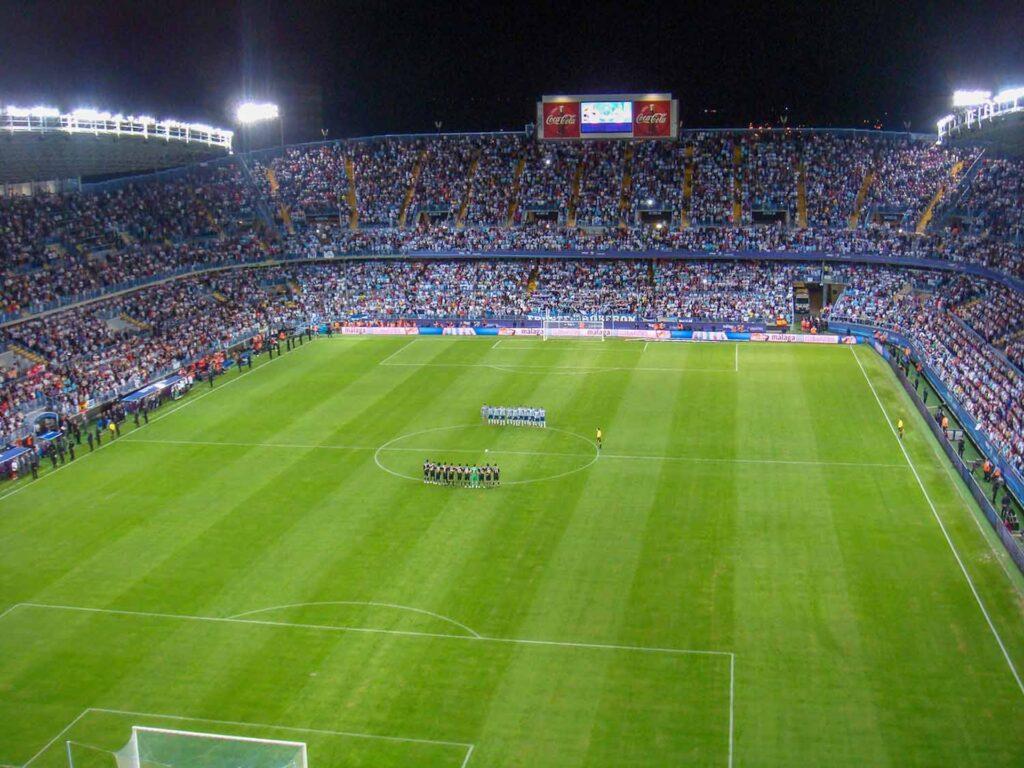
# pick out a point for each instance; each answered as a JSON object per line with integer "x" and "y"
{"x": 31, "y": 112}
{"x": 1009, "y": 94}
{"x": 970, "y": 98}
{"x": 252, "y": 112}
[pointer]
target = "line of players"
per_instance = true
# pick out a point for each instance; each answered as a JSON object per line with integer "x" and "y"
{"x": 516, "y": 417}
{"x": 462, "y": 476}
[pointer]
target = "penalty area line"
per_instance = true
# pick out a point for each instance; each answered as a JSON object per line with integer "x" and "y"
{"x": 461, "y": 745}
{"x": 942, "y": 526}
{"x": 395, "y": 353}
{"x": 376, "y": 630}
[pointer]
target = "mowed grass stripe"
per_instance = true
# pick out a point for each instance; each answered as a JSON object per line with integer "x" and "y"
{"x": 432, "y": 700}
{"x": 856, "y": 636}
{"x": 966, "y": 539}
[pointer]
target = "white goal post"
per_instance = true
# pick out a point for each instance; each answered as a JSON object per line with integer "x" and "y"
{"x": 167, "y": 748}
{"x": 566, "y": 327}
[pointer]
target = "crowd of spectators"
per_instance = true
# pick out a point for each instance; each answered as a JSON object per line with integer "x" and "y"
{"x": 989, "y": 387}
{"x": 311, "y": 181}
{"x": 994, "y": 311}
{"x": 494, "y": 180}
{"x": 600, "y": 198}
{"x": 55, "y": 248}
{"x": 908, "y": 173}
{"x": 202, "y": 201}
{"x": 771, "y": 163}
{"x": 994, "y": 202}
{"x": 64, "y": 276}
{"x": 545, "y": 186}
{"x": 835, "y": 168}
{"x": 657, "y": 174}
{"x": 61, "y": 246}
{"x": 444, "y": 176}
{"x": 383, "y": 171}
{"x": 714, "y": 189}
{"x": 744, "y": 291}
{"x": 605, "y": 287}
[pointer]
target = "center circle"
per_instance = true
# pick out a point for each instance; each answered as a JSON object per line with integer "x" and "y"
{"x": 525, "y": 454}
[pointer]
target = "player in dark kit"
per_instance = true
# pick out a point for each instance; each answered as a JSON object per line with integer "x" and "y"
{"x": 476, "y": 476}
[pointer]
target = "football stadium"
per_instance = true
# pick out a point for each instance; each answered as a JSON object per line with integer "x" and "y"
{"x": 614, "y": 440}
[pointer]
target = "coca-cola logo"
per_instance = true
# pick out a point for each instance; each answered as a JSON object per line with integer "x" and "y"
{"x": 652, "y": 119}
{"x": 561, "y": 117}
{"x": 562, "y": 121}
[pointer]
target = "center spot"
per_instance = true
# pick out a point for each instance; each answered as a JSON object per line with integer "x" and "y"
{"x": 525, "y": 454}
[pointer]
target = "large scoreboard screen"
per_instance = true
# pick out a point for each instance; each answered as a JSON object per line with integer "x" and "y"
{"x": 627, "y": 116}
{"x": 606, "y": 116}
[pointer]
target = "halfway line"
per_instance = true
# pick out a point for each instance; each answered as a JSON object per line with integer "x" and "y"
{"x": 513, "y": 452}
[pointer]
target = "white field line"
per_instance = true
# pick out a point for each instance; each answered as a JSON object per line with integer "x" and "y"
{"x": 563, "y": 369}
{"x": 942, "y": 526}
{"x": 9, "y": 609}
{"x": 233, "y": 444}
{"x": 549, "y": 346}
{"x": 732, "y": 702}
{"x": 372, "y": 604}
{"x": 158, "y": 417}
{"x": 242, "y": 724}
{"x": 378, "y": 631}
{"x": 997, "y": 552}
{"x": 474, "y": 638}
{"x": 289, "y": 728}
{"x": 54, "y": 740}
{"x": 393, "y": 354}
{"x": 645, "y": 345}
{"x": 477, "y": 638}
{"x": 510, "y": 452}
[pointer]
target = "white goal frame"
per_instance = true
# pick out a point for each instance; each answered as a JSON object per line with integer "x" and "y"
{"x": 133, "y": 743}
{"x": 570, "y": 327}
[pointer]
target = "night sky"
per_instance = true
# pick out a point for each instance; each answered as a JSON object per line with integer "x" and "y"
{"x": 374, "y": 67}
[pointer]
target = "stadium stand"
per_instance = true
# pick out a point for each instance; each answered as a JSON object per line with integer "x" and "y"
{"x": 105, "y": 289}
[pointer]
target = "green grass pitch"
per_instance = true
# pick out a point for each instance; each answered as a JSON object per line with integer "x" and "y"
{"x": 749, "y": 573}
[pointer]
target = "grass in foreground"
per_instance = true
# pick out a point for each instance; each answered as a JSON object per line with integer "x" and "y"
{"x": 751, "y": 531}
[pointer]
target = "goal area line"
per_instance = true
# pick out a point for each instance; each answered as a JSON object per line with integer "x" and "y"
{"x": 465, "y": 748}
{"x": 468, "y": 747}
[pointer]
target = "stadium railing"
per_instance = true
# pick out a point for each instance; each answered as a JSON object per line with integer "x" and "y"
{"x": 1013, "y": 478}
{"x": 1013, "y": 547}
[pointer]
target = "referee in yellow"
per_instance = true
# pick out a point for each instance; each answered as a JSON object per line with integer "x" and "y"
{"x": 899, "y": 427}
{"x": 599, "y": 436}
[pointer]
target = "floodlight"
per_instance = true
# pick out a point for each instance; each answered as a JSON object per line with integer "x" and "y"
{"x": 88, "y": 113}
{"x": 1009, "y": 94}
{"x": 251, "y": 112}
{"x": 31, "y": 112}
{"x": 970, "y": 98}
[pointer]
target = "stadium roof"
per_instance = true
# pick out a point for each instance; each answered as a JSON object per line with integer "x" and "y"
{"x": 40, "y": 144}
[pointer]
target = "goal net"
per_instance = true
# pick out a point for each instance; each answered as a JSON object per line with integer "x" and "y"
{"x": 573, "y": 328}
{"x": 163, "y": 748}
